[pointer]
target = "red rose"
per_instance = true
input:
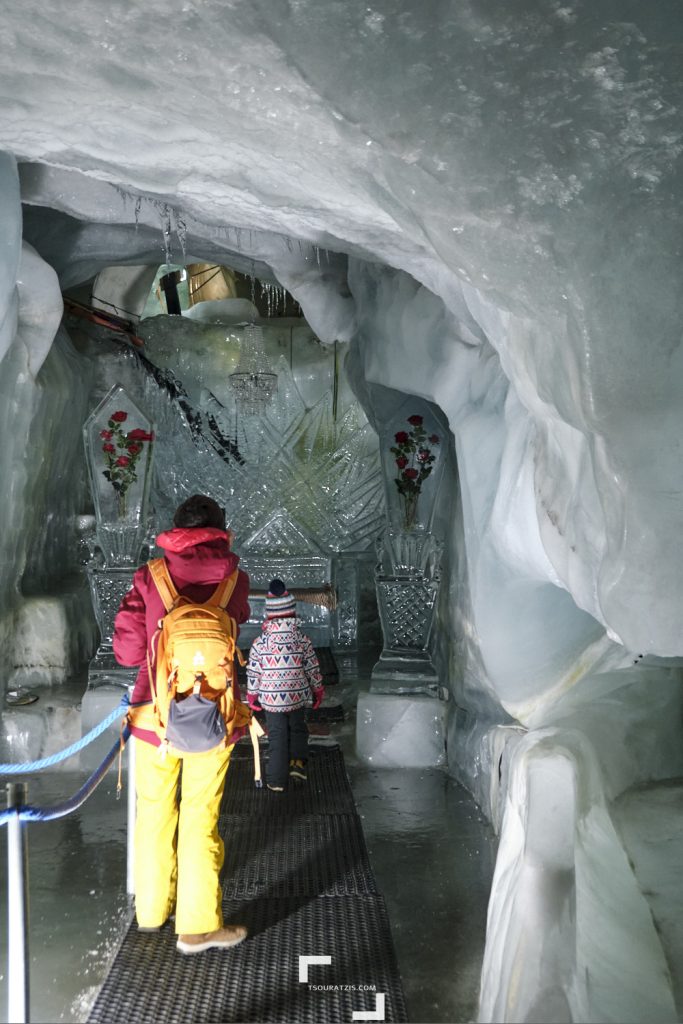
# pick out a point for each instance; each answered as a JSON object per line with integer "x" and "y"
{"x": 410, "y": 474}
{"x": 108, "y": 448}
{"x": 434, "y": 439}
{"x": 106, "y": 434}
{"x": 423, "y": 455}
{"x": 122, "y": 460}
{"x": 401, "y": 437}
{"x": 134, "y": 448}
{"x": 139, "y": 435}
{"x": 119, "y": 417}
{"x": 415, "y": 421}
{"x": 401, "y": 461}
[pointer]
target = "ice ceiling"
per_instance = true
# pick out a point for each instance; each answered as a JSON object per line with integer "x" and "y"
{"x": 520, "y": 161}
{"x": 495, "y": 189}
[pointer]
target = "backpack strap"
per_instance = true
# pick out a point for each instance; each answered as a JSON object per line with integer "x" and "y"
{"x": 164, "y": 584}
{"x": 224, "y": 591}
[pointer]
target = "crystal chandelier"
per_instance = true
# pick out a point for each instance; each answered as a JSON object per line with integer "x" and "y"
{"x": 253, "y": 382}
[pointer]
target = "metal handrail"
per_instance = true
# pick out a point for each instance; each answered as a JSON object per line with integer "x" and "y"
{"x": 15, "y": 817}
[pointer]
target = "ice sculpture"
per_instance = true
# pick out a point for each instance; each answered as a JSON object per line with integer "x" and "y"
{"x": 253, "y": 381}
{"x": 319, "y": 462}
{"x": 119, "y": 440}
{"x": 409, "y": 555}
{"x": 319, "y": 471}
{"x": 280, "y": 548}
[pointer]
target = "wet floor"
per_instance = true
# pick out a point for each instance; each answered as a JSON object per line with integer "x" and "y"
{"x": 430, "y": 849}
{"x": 78, "y": 909}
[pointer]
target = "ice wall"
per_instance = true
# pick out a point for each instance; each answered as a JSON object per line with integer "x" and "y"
{"x": 40, "y": 416}
{"x": 566, "y": 918}
{"x": 519, "y": 161}
{"x": 516, "y": 168}
{"x": 570, "y": 936}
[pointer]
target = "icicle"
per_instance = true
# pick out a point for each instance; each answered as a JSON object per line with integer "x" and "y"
{"x": 253, "y": 289}
{"x": 138, "y": 207}
{"x": 317, "y": 254}
{"x": 181, "y": 234}
{"x": 238, "y": 236}
{"x": 166, "y": 220}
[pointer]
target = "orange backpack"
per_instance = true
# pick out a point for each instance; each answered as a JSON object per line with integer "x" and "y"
{"x": 194, "y": 685}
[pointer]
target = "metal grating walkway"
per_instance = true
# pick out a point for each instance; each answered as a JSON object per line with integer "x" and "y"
{"x": 297, "y": 874}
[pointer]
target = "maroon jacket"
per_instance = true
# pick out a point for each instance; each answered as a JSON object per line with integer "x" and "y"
{"x": 198, "y": 559}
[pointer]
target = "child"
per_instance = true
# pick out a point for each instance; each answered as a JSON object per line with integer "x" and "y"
{"x": 284, "y": 678}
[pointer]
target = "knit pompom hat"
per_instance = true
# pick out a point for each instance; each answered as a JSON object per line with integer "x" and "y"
{"x": 279, "y": 602}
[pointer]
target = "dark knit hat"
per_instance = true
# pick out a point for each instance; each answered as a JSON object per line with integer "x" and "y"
{"x": 279, "y": 602}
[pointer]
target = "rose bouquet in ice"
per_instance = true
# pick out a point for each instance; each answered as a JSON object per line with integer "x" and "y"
{"x": 122, "y": 449}
{"x": 413, "y": 454}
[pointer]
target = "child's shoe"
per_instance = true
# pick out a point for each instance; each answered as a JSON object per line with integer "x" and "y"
{"x": 297, "y": 770}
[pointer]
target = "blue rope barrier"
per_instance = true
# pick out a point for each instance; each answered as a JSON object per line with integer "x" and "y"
{"x": 47, "y": 762}
{"x": 29, "y": 813}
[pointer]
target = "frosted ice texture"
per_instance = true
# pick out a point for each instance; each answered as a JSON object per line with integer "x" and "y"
{"x": 10, "y": 250}
{"x": 324, "y": 471}
{"x": 42, "y": 402}
{"x": 569, "y": 934}
{"x": 650, "y": 819}
{"x": 466, "y": 183}
{"x": 395, "y": 731}
{"x": 520, "y": 162}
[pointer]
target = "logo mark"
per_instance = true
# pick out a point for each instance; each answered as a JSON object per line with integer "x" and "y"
{"x": 376, "y": 1014}
{"x": 309, "y": 961}
{"x": 306, "y": 961}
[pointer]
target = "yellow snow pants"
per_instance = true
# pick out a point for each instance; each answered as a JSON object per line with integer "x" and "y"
{"x": 178, "y": 851}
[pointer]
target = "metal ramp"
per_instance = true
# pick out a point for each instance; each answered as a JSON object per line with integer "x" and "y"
{"x": 297, "y": 874}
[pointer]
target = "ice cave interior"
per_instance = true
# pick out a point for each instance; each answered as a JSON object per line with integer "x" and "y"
{"x": 462, "y": 213}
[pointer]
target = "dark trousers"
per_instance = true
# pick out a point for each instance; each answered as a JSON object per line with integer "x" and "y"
{"x": 287, "y": 739}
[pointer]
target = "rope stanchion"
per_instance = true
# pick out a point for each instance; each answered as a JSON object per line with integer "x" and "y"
{"x": 47, "y": 762}
{"x": 74, "y": 802}
{"x": 14, "y": 817}
{"x": 79, "y": 798}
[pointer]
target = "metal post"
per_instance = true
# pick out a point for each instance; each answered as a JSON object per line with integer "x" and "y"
{"x": 130, "y": 839}
{"x": 17, "y": 899}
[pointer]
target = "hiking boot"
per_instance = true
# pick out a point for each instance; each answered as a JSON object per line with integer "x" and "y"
{"x": 297, "y": 770}
{"x": 224, "y": 938}
{"x": 276, "y": 789}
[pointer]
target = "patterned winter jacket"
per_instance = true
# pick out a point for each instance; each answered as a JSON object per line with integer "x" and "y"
{"x": 283, "y": 670}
